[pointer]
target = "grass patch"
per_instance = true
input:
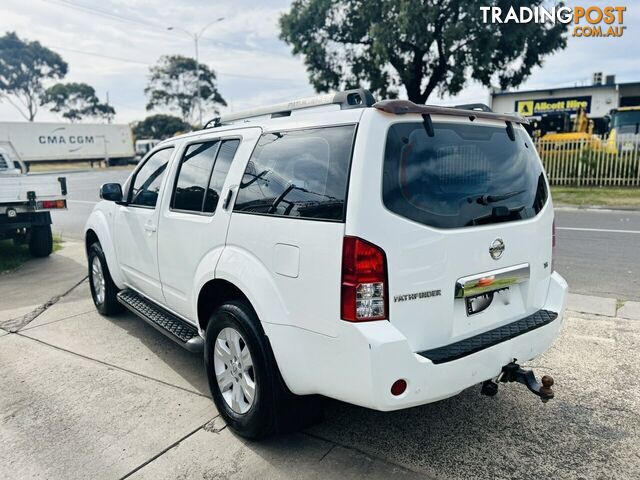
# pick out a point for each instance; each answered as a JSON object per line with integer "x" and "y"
{"x": 12, "y": 255}
{"x": 606, "y": 197}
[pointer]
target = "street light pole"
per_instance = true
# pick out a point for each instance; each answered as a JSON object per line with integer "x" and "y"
{"x": 196, "y": 40}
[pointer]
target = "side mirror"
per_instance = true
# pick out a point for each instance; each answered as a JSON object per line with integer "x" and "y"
{"x": 111, "y": 192}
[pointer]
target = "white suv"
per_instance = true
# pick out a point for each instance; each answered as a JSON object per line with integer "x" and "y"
{"x": 384, "y": 254}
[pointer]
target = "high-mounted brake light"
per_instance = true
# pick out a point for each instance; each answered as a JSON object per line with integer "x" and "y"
{"x": 364, "y": 281}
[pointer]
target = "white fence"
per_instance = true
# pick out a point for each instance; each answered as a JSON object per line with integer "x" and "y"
{"x": 592, "y": 161}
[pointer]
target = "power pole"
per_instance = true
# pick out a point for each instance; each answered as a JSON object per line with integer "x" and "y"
{"x": 109, "y": 116}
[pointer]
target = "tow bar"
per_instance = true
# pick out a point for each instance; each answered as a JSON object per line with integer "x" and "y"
{"x": 514, "y": 373}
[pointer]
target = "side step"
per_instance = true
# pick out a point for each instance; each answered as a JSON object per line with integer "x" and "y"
{"x": 181, "y": 332}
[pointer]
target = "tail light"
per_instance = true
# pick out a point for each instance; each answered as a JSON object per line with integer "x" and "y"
{"x": 364, "y": 281}
{"x": 51, "y": 204}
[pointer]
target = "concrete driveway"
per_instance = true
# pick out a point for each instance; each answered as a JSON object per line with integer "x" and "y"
{"x": 83, "y": 396}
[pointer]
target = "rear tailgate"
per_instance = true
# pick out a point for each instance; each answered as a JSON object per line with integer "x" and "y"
{"x": 446, "y": 200}
{"x": 14, "y": 189}
{"x": 425, "y": 267}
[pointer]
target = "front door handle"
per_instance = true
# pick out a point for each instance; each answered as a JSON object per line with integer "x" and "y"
{"x": 150, "y": 227}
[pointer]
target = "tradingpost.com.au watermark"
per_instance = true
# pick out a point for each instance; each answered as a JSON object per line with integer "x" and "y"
{"x": 592, "y": 21}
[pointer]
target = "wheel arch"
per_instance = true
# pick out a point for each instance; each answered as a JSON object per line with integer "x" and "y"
{"x": 97, "y": 230}
{"x": 242, "y": 272}
{"x": 213, "y": 294}
{"x": 90, "y": 238}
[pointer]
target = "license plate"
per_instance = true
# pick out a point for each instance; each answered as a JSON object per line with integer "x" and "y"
{"x": 480, "y": 303}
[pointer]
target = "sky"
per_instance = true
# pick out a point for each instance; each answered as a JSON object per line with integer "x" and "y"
{"x": 110, "y": 44}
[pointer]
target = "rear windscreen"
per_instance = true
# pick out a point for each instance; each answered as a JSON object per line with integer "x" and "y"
{"x": 463, "y": 175}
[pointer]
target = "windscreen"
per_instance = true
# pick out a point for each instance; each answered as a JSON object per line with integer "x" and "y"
{"x": 627, "y": 122}
{"x": 463, "y": 175}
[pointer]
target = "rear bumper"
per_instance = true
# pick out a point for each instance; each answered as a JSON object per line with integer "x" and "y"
{"x": 360, "y": 365}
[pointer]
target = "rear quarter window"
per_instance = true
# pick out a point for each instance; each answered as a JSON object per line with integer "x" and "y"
{"x": 464, "y": 175}
{"x": 299, "y": 173}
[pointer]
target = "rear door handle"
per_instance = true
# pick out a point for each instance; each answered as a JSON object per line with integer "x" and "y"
{"x": 227, "y": 199}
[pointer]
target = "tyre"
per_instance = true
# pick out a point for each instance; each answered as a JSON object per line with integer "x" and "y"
{"x": 244, "y": 379}
{"x": 41, "y": 241}
{"x": 103, "y": 290}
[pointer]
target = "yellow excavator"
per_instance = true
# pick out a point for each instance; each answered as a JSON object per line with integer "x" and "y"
{"x": 579, "y": 138}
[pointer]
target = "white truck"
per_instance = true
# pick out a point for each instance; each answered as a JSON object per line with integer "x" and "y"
{"x": 47, "y": 142}
{"x": 25, "y": 205}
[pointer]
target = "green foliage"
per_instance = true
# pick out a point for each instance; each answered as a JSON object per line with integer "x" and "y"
{"x": 586, "y": 196}
{"x": 24, "y": 66}
{"x": 424, "y": 46}
{"x": 13, "y": 254}
{"x": 173, "y": 84}
{"x": 160, "y": 126}
{"x": 76, "y": 101}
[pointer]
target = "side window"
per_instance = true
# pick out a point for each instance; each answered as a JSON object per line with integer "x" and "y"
{"x": 221, "y": 168}
{"x": 202, "y": 173}
{"x": 146, "y": 183}
{"x": 3, "y": 163}
{"x": 193, "y": 177}
{"x": 301, "y": 173}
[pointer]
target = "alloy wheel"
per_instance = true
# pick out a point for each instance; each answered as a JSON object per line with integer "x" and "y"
{"x": 234, "y": 370}
{"x": 97, "y": 280}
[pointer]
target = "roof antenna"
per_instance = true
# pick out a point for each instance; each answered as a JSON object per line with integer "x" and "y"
{"x": 428, "y": 124}
{"x": 510, "y": 131}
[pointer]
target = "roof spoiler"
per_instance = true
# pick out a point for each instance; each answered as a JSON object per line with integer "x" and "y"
{"x": 472, "y": 111}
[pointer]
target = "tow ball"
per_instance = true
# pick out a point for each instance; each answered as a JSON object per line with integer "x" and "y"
{"x": 515, "y": 373}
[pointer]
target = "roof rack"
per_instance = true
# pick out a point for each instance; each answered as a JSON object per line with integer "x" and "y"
{"x": 357, "y": 98}
{"x": 401, "y": 107}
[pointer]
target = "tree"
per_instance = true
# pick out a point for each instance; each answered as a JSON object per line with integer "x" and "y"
{"x": 160, "y": 126}
{"x": 24, "y": 66}
{"x": 76, "y": 101}
{"x": 174, "y": 84}
{"x": 421, "y": 45}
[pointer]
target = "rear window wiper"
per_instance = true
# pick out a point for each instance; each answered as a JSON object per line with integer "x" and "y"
{"x": 487, "y": 199}
{"x": 498, "y": 214}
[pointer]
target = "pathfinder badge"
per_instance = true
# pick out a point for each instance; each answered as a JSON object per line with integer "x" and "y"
{"x": 416, "y": 296}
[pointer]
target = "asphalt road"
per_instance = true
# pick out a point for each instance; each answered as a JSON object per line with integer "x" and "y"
{"x": 598, "y": 251}
{"x": 83, "y": 194}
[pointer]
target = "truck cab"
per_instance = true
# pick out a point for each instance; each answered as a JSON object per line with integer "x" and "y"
{"x": 144, "y": 146}
{"x": 9, "y": 165}
{"x": 624, "y": 133}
